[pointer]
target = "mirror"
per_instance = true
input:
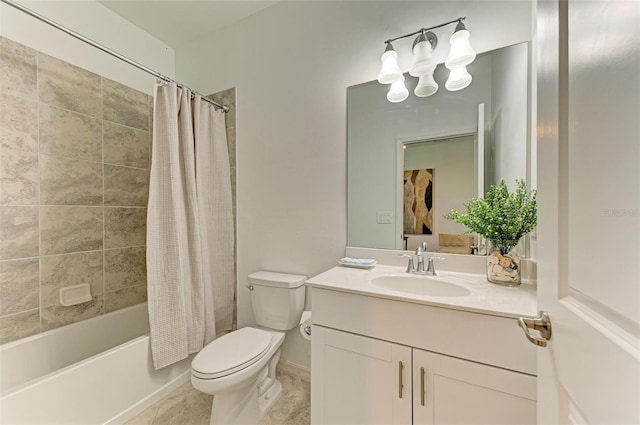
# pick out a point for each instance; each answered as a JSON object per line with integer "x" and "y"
{"x": 411, "y": 162}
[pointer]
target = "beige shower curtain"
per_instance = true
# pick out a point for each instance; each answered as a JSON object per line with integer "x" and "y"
{"x": 190, "y": 259}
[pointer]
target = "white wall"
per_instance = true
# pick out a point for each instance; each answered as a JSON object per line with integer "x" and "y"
{"x": 291, "y": 64}
{"x": 453, "y": 181}
{"x": 98, "y": 23}
{"x": 509, "y": 125}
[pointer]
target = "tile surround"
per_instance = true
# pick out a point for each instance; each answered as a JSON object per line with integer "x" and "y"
{"x": 73, "y": 146}
{"x": 125, "y": 106}
{"x": 69, "y": 134}
{"x": 18, "y": 123}
{"x": 125, "y": 227}
{"x": 18, "y": 177}
{"x": 125, "y": 186}
{"x": 17, "y": 69}
{"x": 70, "y": 229}
{"x": 67, "y": 181}
{"x": 58, "y": 271}
{"x": 126, "y": 146}
{"x": 69, "y": 87}
{"x": 19, "y": 230}
{"x": 75, "y": 151}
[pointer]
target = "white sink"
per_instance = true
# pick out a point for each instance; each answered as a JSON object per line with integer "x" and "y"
{"x": 420, "y": 285}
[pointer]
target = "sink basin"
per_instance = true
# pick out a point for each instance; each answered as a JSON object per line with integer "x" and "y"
{"x": 420, "y": 285}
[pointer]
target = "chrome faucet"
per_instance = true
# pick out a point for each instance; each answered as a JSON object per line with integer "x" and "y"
{"x": 419, "y": 268}
{"x": 420, "y": 250}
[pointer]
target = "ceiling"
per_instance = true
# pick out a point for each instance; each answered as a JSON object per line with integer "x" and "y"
{"x": 176, "y": 22}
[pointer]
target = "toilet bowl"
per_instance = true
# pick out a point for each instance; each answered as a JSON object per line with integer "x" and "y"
{"x": 239, "y": 368}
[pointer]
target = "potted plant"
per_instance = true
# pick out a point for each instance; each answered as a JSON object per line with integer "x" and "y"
{"x": 502, "y": 218}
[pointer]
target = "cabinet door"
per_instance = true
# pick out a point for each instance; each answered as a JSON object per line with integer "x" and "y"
{"x": 359, "y": 380}
{"x": 447, "y": 390}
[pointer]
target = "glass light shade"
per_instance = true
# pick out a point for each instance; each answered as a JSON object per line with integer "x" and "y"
{"x": 390, "y": 71}
{"x": 461, "y": 53}
{"x": 398, "y": 91}
{"x": 458, "y": 79}
{"x": 423, "y": 62}
{"x": 426, "y": 86}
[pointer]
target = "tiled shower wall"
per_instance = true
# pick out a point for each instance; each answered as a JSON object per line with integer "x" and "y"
{"x": 74, "y": 179}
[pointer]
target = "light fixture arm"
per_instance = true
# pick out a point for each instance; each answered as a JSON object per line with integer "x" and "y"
{"x": 424, "y": 30}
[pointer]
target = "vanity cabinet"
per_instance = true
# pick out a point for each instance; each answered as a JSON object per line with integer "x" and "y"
{"x": 383, "y": 361}
{"x": 469, "y": 393}
{"x": 361, "y": 380}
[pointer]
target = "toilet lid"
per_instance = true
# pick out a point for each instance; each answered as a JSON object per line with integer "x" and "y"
{"x": 231, "y": 353}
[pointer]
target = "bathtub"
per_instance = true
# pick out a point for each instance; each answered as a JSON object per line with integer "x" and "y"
{"x": 98, "y": 371}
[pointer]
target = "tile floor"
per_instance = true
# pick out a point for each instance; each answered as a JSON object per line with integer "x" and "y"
{"x": 187, "y": 406}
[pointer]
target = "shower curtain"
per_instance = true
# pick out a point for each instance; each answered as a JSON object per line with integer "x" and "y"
{"x": 190, "y": 258}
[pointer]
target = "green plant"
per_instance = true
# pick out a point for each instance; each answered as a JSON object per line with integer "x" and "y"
{"x": 501, "y": 217}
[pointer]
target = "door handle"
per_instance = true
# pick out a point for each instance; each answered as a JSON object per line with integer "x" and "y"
{"x": 422, "y": 392}
{"x": 400, "y": 380}
{"x": 542, "y": 324}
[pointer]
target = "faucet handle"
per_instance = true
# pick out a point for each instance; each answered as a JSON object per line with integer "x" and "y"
{"x": 424, "y": 246}
{"x": 410, "y": 263}
{"x": 430, "y": 267}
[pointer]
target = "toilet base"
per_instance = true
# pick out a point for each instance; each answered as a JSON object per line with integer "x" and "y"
{"x": 242, "y": 407}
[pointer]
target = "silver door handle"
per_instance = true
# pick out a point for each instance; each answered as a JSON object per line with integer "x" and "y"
{"x": 542, "y": 324}
{"x": 400, "y": 380}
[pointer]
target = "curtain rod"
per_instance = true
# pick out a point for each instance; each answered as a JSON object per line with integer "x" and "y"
{"x": 105, "y": 49}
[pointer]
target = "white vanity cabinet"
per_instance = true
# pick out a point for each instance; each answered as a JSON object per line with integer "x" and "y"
{"x": 447, "y": 390}
{"x": 376, "y": 360}
{"x": 362, "y": 380}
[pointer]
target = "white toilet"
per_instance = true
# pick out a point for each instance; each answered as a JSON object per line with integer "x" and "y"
{"x": 239, "y": 369}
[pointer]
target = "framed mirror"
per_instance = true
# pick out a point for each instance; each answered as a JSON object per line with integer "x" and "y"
{"x": 411, "y": 162}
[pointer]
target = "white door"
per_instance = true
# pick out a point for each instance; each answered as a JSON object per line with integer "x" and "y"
{"x": 588, "y": 129}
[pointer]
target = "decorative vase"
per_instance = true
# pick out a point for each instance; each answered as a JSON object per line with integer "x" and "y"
{"x": 503, "y": 264}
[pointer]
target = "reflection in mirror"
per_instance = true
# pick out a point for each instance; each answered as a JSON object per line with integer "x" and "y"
{"x": 411, "y": 162}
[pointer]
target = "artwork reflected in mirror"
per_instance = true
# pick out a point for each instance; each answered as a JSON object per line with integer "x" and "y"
{"x": 483, "y": 132}
{"x": 418, "y": 202}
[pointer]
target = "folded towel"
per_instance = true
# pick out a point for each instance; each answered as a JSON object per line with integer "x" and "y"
{"x": 359, "y": 261}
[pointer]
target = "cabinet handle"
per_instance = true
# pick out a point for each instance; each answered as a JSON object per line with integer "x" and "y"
{"x": 400, "y": 383}
{"x": 422, "y": 386}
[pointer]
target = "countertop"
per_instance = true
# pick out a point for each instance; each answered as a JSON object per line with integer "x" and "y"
{"x": 484, "y": 297}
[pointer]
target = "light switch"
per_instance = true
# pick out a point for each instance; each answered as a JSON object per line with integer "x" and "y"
{"x": 384, "y": 217}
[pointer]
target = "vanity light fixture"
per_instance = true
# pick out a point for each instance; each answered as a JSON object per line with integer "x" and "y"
{"x": 423, "y": 66}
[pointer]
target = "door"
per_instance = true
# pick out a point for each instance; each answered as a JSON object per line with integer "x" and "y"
{"x": 359, "y": 380}
{"x": 447, "y": 390}
{"x": 589, "y": 210}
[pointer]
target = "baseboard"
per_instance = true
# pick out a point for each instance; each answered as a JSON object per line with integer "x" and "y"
{"x": 302, "y": 372}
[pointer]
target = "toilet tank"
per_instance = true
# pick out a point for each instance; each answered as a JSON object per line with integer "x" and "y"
{"x": 277, "y": 299}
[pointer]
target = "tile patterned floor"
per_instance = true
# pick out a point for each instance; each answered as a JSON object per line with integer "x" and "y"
{"x": 187, "y": 406}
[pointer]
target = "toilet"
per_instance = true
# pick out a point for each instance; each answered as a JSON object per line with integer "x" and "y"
{"x": 239, "y": 368}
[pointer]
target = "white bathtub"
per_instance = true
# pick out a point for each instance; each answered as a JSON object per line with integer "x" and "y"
{"x": 98, "y": 371}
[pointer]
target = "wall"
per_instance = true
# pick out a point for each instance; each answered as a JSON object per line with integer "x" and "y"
{"x": 509, "y": 122}
{"x": 74, "y": 160}
{"x": 453, "y": 181}
{"x": 98, "y": 23}
{"x": 291, "y": 64}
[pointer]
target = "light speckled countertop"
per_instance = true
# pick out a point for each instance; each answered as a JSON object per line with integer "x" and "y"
{"x": 484, "y": 297}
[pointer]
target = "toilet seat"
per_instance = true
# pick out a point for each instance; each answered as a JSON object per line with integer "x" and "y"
{"x": 231, "y": 353}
